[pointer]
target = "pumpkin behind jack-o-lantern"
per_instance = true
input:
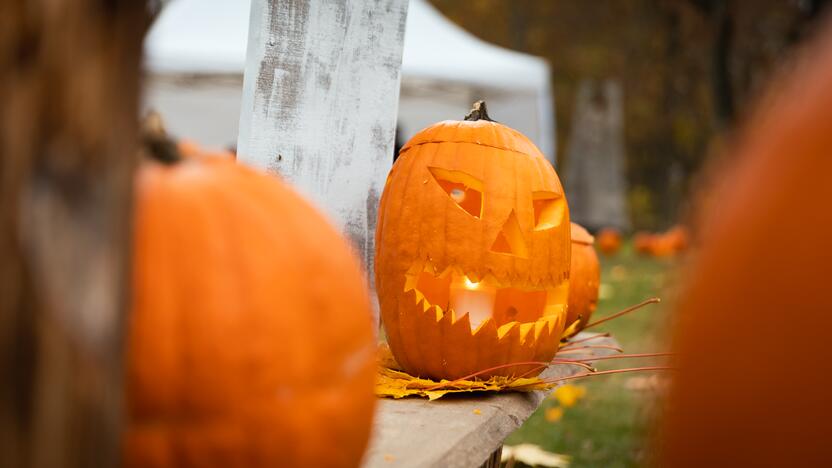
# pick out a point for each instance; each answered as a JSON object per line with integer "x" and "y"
{"x": 584, "y": 278}
{"x": 473, "y": 251}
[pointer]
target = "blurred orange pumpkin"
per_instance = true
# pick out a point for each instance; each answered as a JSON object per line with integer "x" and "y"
{"x": 250, "y": 339}
{"x": 584, "y": 278}
{"x": 678, "y": 238}
{"x": 755, "y": 366}
{"x": 473, "y": 251}
{"x": 608, "y": 241}
{"x": 662, "y": 246}
{"x": 665, "y": 244}
{"x": 643, "y": 242}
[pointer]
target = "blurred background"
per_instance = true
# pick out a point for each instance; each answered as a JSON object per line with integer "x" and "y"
{"x": 627, "y": 98}
{"x": 687, "y": 72}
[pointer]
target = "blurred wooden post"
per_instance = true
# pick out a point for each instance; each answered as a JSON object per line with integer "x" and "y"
{"x": 69, "y": 72}
{"x": 320, "y": 98}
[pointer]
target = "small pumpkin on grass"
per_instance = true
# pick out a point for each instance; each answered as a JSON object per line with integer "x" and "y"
{"x": 250, "y": 338}
{"x": 584, "y": 279}
{"x": 608, "y": 241}
{"x": 678, "y": 237}
{"x": 472, "y": 252}
{"x": 643, "y": 242}
{"x": 670, "y": 243}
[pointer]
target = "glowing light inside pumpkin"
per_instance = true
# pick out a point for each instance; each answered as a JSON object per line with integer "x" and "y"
{"x": 476, "y": 299}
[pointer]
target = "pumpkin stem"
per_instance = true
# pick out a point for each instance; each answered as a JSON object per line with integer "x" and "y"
{"x": 478, "y": 112}
{"x": 156, "y": 142}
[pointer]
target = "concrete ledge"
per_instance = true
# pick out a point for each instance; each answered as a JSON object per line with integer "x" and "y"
{"x": 454, "y": 431}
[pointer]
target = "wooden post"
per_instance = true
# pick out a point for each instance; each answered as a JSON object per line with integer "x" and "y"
{"x": 320, "y": 98}
{"x": 69, "y": 74}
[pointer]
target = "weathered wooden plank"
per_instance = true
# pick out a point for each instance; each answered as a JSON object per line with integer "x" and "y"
{"x": 320, "y": 99}
{"x": 69, "y": 82}
{"x": 448, "y": 432}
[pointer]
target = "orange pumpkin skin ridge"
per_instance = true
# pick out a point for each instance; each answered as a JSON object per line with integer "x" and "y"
{"x": 419, "y": 224}
{"x": 584, "y": 280}
{"x": 250, "y": 340}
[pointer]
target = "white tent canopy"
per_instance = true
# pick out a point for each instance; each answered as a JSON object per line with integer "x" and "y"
{"x": 196, "y": 51}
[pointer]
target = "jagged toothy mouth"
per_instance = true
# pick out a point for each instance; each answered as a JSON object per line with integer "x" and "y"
{"x": 453, "y": 291}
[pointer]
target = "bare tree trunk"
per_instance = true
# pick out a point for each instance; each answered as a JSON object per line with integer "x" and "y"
{"x": 69, "y": 74}
{"x": 723, "y": 94}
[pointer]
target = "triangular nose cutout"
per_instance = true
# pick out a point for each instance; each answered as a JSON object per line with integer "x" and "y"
{"x": 510, "y": 239}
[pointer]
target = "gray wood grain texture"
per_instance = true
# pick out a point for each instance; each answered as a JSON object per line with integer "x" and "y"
{"x": 415, "y": 432}
{"x": 320, "y": 99}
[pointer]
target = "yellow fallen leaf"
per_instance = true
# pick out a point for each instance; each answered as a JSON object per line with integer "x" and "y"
{"x": 533, "y": 455}
{"x": 477, "y": 412}
{"x": 392, "y": 383}
{"x": 553, "y": 414}
{"x": 567, "y": 395}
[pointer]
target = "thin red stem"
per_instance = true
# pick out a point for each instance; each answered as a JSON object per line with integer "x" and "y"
{"x": 583, "y": 340}
{"x": 652, "y": 300}
{"x": 515, "y": 379}
{"x": 583, "y": 348}
{"x": 572, "y": 362}
{"x": 502, "y": 366}
{"x": 606, "y": 372}
{"x": 554, "y": 362}
{"x": 617, "y": 356}
{"x": 537, "y": 364}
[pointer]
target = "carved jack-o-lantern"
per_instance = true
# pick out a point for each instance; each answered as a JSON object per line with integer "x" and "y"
{"x": 473, "y": 251}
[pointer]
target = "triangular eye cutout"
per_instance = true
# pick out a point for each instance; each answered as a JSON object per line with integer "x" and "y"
{"x": 510, "y": 239}
{"x": 549, "y": 208}
{"x": 464, "y": 189}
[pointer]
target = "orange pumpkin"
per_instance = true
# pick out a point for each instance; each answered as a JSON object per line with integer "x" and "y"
{"x": 609, "y": 241}
{"x": 643, "y": 242}
{"x": 250, "y": 339}
{"x": 662, "y": 246}
{"x": 584, "y": 278}
{"x": 678, "y": 238}
{"x": 473, "y": 251}
{"x": 753, "y": 325}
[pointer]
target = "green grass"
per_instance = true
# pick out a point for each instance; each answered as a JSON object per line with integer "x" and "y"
{"x": 608, "y": 427}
